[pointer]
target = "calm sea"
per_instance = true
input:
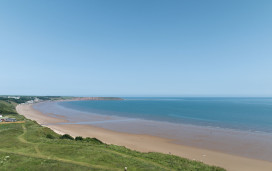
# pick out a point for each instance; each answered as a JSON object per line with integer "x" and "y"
{"x": 251, "y": 114}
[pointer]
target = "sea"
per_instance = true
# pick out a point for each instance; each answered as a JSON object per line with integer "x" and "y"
{"x": 251, "y": 114}
{"x": 240, "y": 126}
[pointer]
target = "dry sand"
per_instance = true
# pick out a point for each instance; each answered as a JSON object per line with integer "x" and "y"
{"x": 145, "y": 143}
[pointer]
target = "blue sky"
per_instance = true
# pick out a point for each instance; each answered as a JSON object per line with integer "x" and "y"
{"x": 136, "y": 48}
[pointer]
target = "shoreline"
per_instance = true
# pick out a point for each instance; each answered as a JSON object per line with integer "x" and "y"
{"x": 242, "y": 143}
{"x": 144, "y": 143}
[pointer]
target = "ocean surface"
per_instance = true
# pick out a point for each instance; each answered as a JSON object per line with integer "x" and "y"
{"x": 240, "y": 126}
{"x": 247, "y": 114}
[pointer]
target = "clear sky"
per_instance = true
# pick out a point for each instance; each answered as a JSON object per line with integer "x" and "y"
{"x": 136, "y": 48}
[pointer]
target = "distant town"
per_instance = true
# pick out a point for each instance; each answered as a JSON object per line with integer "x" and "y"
{"x": 4, "y": 117}
{"x": 28, "y": 102}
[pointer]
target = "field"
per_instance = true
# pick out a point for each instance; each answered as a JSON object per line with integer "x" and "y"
{"x": 29, "y": 146}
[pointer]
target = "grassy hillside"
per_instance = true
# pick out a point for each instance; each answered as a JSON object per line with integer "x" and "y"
{"x": 29, "y": 146}
{"x": 7, "y": 107}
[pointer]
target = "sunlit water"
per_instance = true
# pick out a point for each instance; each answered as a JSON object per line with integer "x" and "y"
{"x": 253, "y": 114}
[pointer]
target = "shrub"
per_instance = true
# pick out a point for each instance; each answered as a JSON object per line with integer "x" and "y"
{"x": 67, "y": 136}
{"x": 93, "y": 140}
{"x": 50, "y": 136}
{"x": 88, "y": 139}
{"x": 79, "y": 138}
{"x": 97, "y": 141}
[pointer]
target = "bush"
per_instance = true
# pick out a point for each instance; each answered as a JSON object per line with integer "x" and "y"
{"x": 97, "y": 141}
{"x": 88, "y": 139}
{"x": 79, "y": 138}
{"x": 67, "y": 136}
{"x": 50, "y": 136}
{"x": 93, "y": 140}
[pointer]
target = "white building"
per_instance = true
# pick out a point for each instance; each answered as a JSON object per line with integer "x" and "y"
{"x": 14, "y": 97}
{"x": 30, "y": 102}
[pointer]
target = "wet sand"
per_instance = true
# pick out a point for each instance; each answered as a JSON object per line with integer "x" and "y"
{"x": 189, "y": 148}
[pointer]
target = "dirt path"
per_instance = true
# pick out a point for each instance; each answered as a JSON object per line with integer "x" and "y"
{"x": 40, "y": 155}
{"x": 12, "y": 122}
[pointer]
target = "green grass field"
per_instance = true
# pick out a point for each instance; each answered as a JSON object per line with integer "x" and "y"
{"x": 28, "y": 146}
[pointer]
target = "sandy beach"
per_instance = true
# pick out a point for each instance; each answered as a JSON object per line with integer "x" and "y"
{"x": 145, "y": 143}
